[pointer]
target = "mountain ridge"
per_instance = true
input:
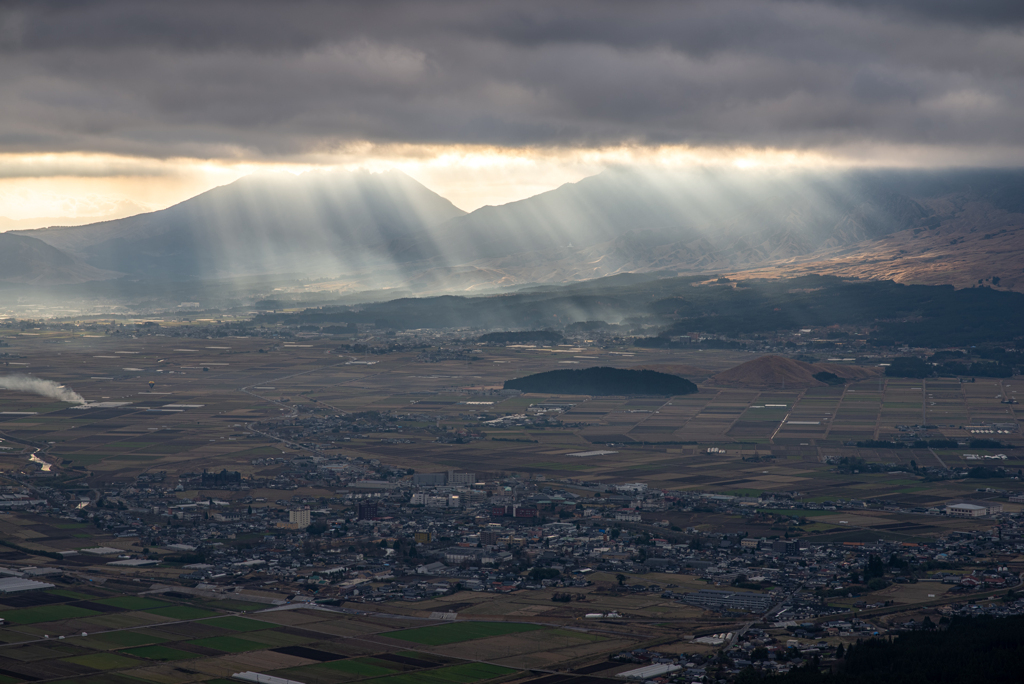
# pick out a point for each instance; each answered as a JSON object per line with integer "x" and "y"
{"x": 30, "y": 261}
{"x": 263, "y": 224}
{"x": 387, "y": 230}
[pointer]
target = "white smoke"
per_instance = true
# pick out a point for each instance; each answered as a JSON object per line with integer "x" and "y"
{"x": 45, "y": 388}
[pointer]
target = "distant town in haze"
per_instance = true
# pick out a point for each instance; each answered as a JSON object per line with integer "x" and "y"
{"x": 512, "y": 343}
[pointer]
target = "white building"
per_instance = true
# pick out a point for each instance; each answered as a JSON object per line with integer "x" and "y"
{"x": 966, "y": 510}
{"x": 650, "y": 671}
{"x": 455, "y": 478}
{"x": 299, "y": 517}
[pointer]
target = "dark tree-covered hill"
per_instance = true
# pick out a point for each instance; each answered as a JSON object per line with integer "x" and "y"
{"x": 522, "y": 337}
{"x": 981, "y": 650}
{"x": 603, "y": 381}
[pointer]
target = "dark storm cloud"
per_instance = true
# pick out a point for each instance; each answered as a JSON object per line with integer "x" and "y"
{"x": 278, "y": 79}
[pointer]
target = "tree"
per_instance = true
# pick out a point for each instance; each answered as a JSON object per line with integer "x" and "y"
{"x": 622, "y": 579}
{"x": 875, "y": 567}
{"x": 538, "y": 574}
{"x": 749, "y": 675}
{"x": 840, "y": 652}
{"x": 908, "y": 367}
{"x": 877, "y": 584}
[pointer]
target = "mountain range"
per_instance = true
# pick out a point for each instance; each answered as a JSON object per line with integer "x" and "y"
{"x": 387, "y": 230}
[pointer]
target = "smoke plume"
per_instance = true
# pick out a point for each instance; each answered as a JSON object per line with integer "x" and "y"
{"x": 45, "y": 388}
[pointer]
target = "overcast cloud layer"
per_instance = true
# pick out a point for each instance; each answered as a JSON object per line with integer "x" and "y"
{"x": 278, "y": 80}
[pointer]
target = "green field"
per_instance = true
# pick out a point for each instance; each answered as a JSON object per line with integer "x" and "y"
{"x": 455, "y": 674}
{"x": 126, "y": 639}
{"x": 232, "y": 604}
{"x": 161, "y": 653}
{"x": 272, "y": 638}
{"x": 453, "y": 633}
{"x": 182, "y": 612}
{"x": 103, "y": 661}
{"x": 360, "y": 667}
{"x": 134, "y": 603}
{"x": 67, "y": 593}
{"x": 238, "y": 624}
{"x": 228, "y": 644}
{"x": 28, "y": 616}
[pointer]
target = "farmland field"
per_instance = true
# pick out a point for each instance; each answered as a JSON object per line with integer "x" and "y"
{"x": 160, "y": 653}
{"x": 128, "y": 638}
{"x": 237, "y": 624}
{"x": 461, "y": 631}
{"x": 134, "y": 603}
{"x": 753, "y": 443}
{"x": 456, "y": 674}
{"x": 182, "y": 612}
{"x": 27, "y": 616}
{"x": 228, "y": 644}
{"x": 103, "y": 661}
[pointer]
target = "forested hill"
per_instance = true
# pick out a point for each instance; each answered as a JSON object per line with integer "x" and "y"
{"x": 913, "y": 315}
{"x": 980, "y": 650}
{"x": 600, "y": 381}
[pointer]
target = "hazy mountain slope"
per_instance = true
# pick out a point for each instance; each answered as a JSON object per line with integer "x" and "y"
{"x": 974, "y": 236}
{"x": 912, "y": 226}
{"x": 30, "y": 261}
{"x": 632, "y": 219}
{"x": 370, "y": 231}
{"x": 974, "y": 231}
{"x": 314, "y": 223}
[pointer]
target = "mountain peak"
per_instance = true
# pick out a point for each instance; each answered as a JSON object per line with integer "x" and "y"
{"x": 320, "y": 223}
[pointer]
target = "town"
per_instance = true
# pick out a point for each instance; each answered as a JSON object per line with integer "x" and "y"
{"x": 369, "y": 488}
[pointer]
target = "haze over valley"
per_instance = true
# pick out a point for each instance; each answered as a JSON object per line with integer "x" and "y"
{"x": 368, "y": 231}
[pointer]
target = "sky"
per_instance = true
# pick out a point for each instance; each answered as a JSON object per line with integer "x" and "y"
{"x": 111, "y": 107}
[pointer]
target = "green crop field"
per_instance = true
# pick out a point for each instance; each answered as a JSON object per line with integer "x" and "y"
{"x": 360, "y": 667}
{"x": 453, "y": 633}
{"x": 271, "y": 638}
{"x": 67, "y": 593}
{"x": 161, "y": 653}
{"x": 182, "y": 612}
{"x": 126, "y": 639}
{"x": 455, "y": 674}
{"x": 238, "y": 624}
{"x": 134, "y": 603}
{"x": 228, "y": 644}
{"x": 29, "y": 616}
{"x": 232, "y": 604}
{"x": 103, "y": 661}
